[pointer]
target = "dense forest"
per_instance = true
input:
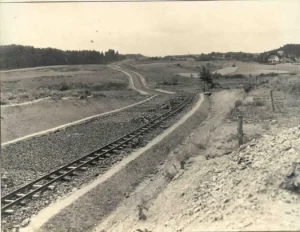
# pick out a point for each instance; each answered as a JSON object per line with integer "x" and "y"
{"x": 17, "y": 56}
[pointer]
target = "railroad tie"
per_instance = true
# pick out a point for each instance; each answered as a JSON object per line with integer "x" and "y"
{"x": 8, "y": 211}
{"x": 20, "y": 194}
{"x": 50, "y": 187}
{"x": 7, "y": 201}
{"x": 66, "y": 178}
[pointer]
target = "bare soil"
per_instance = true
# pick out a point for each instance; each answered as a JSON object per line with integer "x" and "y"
{"x": 223, "y": 187}
{"x": 22, "y": 120}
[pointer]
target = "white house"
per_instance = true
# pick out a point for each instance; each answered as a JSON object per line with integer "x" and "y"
{"x": 273, "y": 59}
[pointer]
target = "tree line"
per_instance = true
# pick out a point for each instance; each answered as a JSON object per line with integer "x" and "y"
{"x": 18, "y": 56}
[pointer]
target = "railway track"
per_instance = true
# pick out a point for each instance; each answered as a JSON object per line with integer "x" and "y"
{"x": 32, "y": 190}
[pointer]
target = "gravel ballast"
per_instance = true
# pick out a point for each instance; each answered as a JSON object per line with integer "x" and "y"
{"x": 43, "y": 154}
{"x": 71, "y": 143}
{"x": 91, "y": 208}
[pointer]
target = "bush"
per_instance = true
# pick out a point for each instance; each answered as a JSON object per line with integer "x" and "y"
{"x": 238, "y": 103}
{"x": 63, "y": 86}
{"x": 293, "y": 73}
{"x": 248, "y": 87}
{"x": 98, "y": 94}
{"x": 273, "y": 74}
{"x": 258, "y": 102}
{"x": 3, "y": 102}
{"x": 233, "y": 65}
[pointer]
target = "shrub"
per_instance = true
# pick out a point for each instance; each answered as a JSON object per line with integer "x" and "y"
{"x": 293, "y": 73}
{"x": 3, "y": 102}
{"x": 233, "y": 65}
{"x": 238, "y": 103}
{"x": 63, "y": 86}
{"x": 174, "y": 80}
{"x": 258, "y": 102}
{"x": 273, "y": 74}
{"x": 248, "y": 87}
{"x": 83, "y": 96}
{"x": 98, "y": 94}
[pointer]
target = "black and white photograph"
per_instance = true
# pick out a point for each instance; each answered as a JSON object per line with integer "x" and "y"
{"x": 150, "y": 115}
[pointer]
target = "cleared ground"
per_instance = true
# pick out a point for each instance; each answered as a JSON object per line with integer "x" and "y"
{"x": 38, "y": 99}
{"x": 58, "y": 82}
{"x": 222, "y": 187}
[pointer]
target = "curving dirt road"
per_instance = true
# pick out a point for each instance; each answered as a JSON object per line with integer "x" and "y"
{"x": 138, "y": 82}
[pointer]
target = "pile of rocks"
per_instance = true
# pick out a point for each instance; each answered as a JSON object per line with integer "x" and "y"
{"x": 264, "y": 170}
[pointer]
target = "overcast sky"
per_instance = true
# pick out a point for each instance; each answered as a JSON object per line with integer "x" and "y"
{"x": 160, "y": 28}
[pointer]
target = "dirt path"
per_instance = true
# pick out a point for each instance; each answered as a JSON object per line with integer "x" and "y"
{"x": 134, "y": 84}
{"x": 146, "y": 85}
{"x": 138, "y": 82}
{"x": 83, "y": 197}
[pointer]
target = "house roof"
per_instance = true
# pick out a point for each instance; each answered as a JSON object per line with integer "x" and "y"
{"x": 273, "y": 57}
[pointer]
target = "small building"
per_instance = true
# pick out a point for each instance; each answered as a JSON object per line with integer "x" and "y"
{"x": 273, "y": 59}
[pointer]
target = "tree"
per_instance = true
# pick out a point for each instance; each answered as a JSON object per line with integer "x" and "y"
{"x": 206, "y": 78}
{"x": 17, "y": 56}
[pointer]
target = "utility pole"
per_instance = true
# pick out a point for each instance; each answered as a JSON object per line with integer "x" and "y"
{"x": 240, "y": 129}
{"x": 271, "y": 94}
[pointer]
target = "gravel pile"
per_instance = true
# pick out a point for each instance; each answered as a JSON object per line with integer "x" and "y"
{"x": 120, "y": 124}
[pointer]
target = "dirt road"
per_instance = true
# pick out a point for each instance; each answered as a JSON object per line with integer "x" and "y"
{"x": 138, "y": 82}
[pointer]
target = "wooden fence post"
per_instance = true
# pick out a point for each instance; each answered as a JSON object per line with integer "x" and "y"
{"x": 240, "y": 129}
{"x": 272, "y": 100}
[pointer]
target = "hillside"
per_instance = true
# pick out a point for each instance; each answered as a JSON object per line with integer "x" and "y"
{"x": 289, "y": 51}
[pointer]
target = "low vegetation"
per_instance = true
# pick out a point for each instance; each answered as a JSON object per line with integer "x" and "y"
{"x": 64, "y": 89}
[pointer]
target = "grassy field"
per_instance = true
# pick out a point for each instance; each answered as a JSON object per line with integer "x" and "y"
{"x": 184, "y": 75}
{"x": 58, "y": 82}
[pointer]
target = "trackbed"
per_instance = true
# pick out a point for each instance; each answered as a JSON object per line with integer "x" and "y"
{"x": 86, "y": 207}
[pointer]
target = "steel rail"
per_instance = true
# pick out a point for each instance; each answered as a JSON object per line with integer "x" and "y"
{"x": 28, "y": 190}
